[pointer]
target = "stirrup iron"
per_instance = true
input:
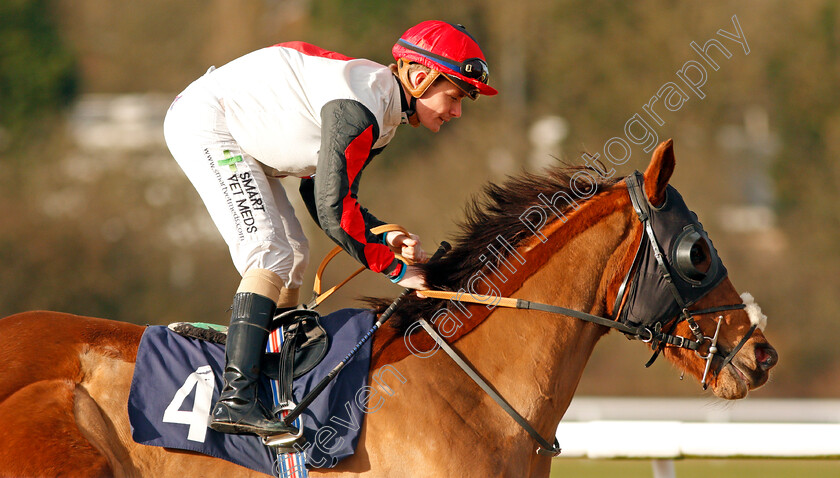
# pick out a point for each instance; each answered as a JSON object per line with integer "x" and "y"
{"x": 284, "y": 440}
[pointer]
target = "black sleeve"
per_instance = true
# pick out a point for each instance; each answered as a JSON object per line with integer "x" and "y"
{"x": 348, "y": 133}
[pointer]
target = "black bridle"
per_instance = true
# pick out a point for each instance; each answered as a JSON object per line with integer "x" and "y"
{"x": 649, "y": 332}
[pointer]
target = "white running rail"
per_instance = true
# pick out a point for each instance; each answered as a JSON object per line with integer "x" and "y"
{"x": 665, "y": 429}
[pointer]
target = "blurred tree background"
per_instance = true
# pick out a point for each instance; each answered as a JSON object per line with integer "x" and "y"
{"x": 99, "y": 220}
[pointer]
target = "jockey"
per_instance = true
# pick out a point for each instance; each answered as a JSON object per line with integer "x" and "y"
{"x": 294, "y": 109}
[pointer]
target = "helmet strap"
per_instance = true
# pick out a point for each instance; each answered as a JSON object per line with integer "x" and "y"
{"x": 411, "y": 113}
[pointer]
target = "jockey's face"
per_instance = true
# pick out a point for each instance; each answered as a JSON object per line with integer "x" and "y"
{"x": 439, "y": 104}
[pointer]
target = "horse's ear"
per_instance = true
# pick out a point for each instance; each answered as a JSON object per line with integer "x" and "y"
{"x": 659, "y": 172}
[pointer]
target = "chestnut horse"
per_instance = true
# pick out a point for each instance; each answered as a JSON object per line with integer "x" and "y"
{"x": 64, "y": 379}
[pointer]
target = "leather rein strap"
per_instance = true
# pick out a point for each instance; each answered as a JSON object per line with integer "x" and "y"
{"x": 318, "y": 296}
{"x": 545, "y": 448}
{"x": 644, "y": 334}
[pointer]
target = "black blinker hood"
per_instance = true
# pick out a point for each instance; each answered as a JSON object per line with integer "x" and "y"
{"x": 668, "y": 287}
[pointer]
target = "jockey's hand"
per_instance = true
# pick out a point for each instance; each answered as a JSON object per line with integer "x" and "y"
{"x": 413, "y": 279}
{"x": 407, "y": 246}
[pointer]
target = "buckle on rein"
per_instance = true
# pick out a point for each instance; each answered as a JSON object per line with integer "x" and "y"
{"x": 655, "y": 337}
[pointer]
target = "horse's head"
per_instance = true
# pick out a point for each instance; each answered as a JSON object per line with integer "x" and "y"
{"x": 678, "y": 291}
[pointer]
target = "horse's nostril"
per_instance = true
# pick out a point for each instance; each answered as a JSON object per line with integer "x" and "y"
{"x": 766, "y": 356}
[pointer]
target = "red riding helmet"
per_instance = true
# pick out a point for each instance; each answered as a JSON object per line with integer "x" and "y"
{"x": 450, "y": 50}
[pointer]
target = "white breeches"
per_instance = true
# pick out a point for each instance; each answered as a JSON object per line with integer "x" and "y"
{"x": 250, "y": 209}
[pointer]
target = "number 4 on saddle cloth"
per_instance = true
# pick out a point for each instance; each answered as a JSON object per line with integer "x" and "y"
{"x": 177, "y": 380}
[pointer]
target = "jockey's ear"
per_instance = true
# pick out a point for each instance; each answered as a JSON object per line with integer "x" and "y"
{"x": 658, "y": 172}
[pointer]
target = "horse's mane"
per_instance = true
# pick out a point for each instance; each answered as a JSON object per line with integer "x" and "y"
{"x": 493, "y": 213}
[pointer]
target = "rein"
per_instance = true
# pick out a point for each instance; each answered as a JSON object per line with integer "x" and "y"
{"x": 645, "y": 334}
{"x": 317, "y": 295}
{"x": 653, "y": 335}
{"x": 545, "y": 448}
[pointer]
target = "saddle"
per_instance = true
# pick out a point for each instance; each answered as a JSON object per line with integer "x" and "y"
{"x": 305, "y": 343}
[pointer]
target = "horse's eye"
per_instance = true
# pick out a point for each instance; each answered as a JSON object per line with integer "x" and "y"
{"x": 699, "y": 255}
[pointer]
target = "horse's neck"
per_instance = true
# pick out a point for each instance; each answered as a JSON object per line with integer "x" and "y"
{"x": 535, "y": 359}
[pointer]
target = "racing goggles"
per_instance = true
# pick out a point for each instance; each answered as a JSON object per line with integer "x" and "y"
{"x": 473, "y": 68}
{"x": 468, "y": 89}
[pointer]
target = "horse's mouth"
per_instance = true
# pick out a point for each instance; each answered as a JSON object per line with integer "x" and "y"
{"x": 740, "y": 376}
{"x": 732, "y": 383}
{"x": 736, "y": 380}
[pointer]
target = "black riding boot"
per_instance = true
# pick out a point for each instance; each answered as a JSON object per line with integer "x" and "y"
{"x": 238, "y": 410}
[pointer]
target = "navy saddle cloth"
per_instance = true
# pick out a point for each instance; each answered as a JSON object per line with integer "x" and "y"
{"x": 177, "y": 380}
